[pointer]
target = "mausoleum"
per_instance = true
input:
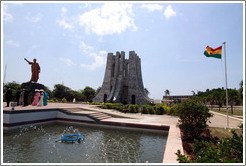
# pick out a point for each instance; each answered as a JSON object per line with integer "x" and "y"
{"x": 123, "y": 81}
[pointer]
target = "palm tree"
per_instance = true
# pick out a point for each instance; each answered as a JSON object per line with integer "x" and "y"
{"x": 218, "y": 97}
{"x": 232, "y": 97}
{"x": 167, "y": 93}
{"x": 240, "y": 91}
{"x": 193, "y": 93}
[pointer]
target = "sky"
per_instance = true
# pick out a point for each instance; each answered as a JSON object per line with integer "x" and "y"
{"x": 71, "y": 40}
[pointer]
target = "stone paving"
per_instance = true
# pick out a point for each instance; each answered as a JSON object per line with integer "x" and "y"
{"x": 218, "y": 120}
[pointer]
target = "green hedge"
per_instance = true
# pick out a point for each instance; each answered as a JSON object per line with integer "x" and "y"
{"x": 96, "y": 103}
{"x": 148, "y": 108}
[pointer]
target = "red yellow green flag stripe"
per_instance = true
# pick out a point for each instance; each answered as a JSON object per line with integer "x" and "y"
{"x": 210, "y": 52}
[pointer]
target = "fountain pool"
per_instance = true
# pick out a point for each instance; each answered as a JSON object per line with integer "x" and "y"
{"x": 36, "y": 144}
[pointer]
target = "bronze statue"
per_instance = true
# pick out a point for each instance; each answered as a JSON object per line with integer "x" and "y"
{"x": 35, "y": 70}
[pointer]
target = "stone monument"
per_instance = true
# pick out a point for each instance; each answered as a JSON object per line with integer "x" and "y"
{"x": 122, "y": 80}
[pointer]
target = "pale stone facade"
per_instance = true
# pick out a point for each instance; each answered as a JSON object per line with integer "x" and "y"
{"x": 123, "y": 80}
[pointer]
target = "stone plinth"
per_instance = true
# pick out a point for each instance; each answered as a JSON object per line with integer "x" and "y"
{"x": 31, "y": 86}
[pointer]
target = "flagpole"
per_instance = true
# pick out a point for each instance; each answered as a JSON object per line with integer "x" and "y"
{"x": 227, "y": 126}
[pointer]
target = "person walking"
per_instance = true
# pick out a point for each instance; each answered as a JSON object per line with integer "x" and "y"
{"x": 8, "y": 96}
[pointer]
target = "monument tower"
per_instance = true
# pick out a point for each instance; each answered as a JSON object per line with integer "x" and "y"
{"x": 123, "y": 80}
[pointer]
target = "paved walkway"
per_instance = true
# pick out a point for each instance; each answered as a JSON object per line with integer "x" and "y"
{"x": 218, "y": 120}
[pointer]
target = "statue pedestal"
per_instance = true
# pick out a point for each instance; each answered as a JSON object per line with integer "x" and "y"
{"x": 31, "y": 86}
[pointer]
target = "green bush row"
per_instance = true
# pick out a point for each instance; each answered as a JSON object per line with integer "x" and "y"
{"x": 148, "y": 108}
{"x": 92, "y": 103}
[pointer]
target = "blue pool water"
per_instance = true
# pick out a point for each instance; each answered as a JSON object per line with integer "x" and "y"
{"x": 101, "y": 145}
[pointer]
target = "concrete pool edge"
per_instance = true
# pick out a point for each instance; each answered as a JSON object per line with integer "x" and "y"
{"x": 12, "y": 119}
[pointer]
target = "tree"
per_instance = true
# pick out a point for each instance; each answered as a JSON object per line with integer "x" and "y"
{"x": 232, "y": 97}
{"x": 146, "y": 91}
{"x": 60, "y": 91}
{"x": 13, "y": 85}
{"x": 167, "y": 93}
{"x": 240, "y": 91}
{"x": 77, "y": 95}
{"x": 47, "y": 90}
{"x": 89, "y": 93}
{"x": 211, "y": 99}
{"x": 218, "y": 97}
{"x": 193, "y": 93}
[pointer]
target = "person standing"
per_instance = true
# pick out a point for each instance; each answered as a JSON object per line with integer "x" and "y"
{"x": 21, "y": 101}
{"x": 8, "y": 96}
{"x": 41, "y": 100}
{"x": 46, "y": 96}
{"x": 35, "y": 70}
{"x": 36, "y": 97}
{"x": 17, "y": 96}
{"x": 25, "y": 97}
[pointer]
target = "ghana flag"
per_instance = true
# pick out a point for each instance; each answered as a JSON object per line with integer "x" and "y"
{"x": 216, "y": 53}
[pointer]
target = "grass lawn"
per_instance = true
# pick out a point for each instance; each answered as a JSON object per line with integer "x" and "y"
{"x": 223, "y": 133}
{"x": 237, "y": 112}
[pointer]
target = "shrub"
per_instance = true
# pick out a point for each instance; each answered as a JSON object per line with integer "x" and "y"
{"x": 161, "y": 109}
{"x": 193, "y": 118}
{"x": 64, "y": 100}
{"x": 133, "y": 108}
{"x": 174, "y": 110}
{"x": 50, "y": 101}
{"x": 151, "y": 110}
{"x": 92, "y": 103}
{"x": 117, "y": 106}
{"x": 182, "y": 158}
{"x": 228, "y": 150}
{"x": 145, "y": 109}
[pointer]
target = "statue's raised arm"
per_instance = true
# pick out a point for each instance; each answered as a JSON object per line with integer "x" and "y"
{"x": 28, "y": 61}
{"x": 35, "y": 70}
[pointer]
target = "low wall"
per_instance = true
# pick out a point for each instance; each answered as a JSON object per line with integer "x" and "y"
{"x": 15, "y": 119}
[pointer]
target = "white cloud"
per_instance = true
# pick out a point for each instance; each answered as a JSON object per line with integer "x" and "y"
{"x": 63, "y": 21}
{"x": 64, "y": 24}
{"x": 99, "y": 59}
{"x": 98, "y": 62}
{"x": 35, "y": 18}
{"x": 84, "y": 6}
{"x": 111, "y": 18}
{"x": 63, "y": 10}
{"x": 152, "y": 7}
{"x": 169, "y": 12}
{"x": 13, "y": 43}
{"x": 6, "y": 16}
{"x": 85, "y": 48}
{"x": 68, "y": 61}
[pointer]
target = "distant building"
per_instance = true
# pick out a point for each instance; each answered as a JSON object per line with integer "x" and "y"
{"x": 176, "y": 98}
